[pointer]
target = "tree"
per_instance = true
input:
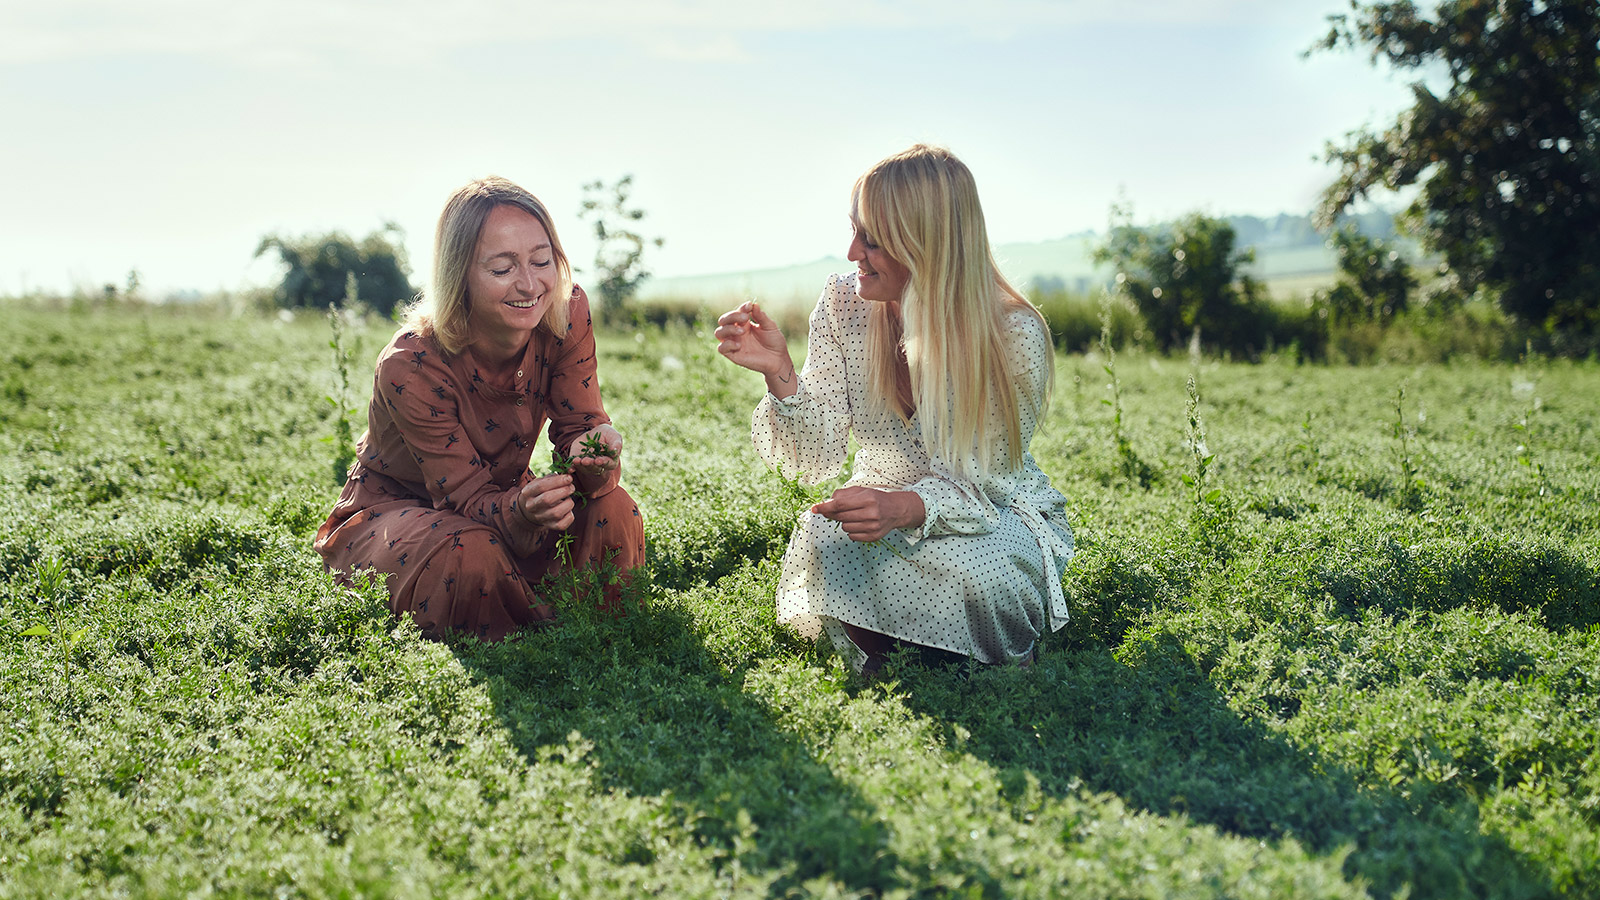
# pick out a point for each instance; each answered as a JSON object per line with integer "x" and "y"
{"x": 619, "y": 250}
{"x": 1375, "y": 281}
{"x": 318, "y": 266}
{"x": 1187, "y": 276}
{"x": 1507, "y": 158}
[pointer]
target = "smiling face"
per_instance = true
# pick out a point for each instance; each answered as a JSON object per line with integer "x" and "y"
{"x": 879, "y": 277}
{"x": 511, "y": 277}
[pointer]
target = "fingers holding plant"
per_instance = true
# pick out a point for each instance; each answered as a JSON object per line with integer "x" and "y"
{"x": 546, "y": 502}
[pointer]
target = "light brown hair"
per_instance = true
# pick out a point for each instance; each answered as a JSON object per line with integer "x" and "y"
{"x": 443, "y": 310}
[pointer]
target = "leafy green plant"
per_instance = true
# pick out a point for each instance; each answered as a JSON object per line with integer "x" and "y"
{"x": 51, "y": 576}
{"x": 1197, "y": 479}
{"x": 1132, "y": 466}
{"x": 1526, "y": 454}
{"x": 1412, "y": 484}
{"x": 564, "y": 549}
{"x": 343, "y": 438}
{"x": 1210, "y": 514}
{"x": 1308, "y": 443}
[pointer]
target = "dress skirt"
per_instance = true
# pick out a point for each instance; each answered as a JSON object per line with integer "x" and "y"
{"x": 980, "y": 595}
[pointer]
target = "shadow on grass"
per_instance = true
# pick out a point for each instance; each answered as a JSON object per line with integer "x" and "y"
{"x": 665, "y": 718}
{"x": 1156, "y": 733}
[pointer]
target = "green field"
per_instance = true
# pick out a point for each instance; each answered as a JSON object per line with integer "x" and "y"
{"x": 1368, "y": 666}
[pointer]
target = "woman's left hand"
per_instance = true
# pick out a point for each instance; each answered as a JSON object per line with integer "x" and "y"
{"x": 597, "y": 463}
{"x": 867, "y": 514}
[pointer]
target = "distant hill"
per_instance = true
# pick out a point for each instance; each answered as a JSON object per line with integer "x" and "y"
{"x": 1290, "y": 255}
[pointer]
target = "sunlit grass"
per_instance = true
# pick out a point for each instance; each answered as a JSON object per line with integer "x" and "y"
{"x": 1380, "y": 676}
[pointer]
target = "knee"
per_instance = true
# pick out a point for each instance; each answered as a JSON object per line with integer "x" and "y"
{"x": 480, "y": 549}
{"x": 611, "y": 510}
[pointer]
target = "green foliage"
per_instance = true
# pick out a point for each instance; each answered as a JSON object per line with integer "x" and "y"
{"x": 318, "y": 267}
{"x": 1412, "y": 485}
{"x": 1133, "y": 467}
{"x": 1186, "y": 277}
{"x": 619, "y": 247}
{"x": 343, "y": 437}
{"x": 1075, "y": 320}
{"x": 1506, "y": 155}
{"x": 1361, "y": 697}
{"x": 1375, "y": 281}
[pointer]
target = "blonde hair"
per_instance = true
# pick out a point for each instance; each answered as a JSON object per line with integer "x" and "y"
{"x": 921, "y": 206}
{"x": 443, "y": 310}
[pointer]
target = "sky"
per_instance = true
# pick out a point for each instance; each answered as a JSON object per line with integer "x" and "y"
{"x": 170, "y": 136}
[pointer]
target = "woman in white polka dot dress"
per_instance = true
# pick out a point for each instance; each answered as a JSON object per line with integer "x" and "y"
{"x": 947, "y": 534}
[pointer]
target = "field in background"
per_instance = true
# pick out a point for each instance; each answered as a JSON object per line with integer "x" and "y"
{"x": 1064, "y": 264}
{"x": 1368, "y": 665}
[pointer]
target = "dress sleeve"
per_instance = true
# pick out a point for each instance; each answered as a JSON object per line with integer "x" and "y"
{"x": 574, "y": 397}
{"x": 958, "y": 504}
{"x": 425, "y": 404}
{"x": 807, "y": 434}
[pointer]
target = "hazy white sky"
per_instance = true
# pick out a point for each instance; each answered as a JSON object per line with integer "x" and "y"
{"x": 170, "y": 135}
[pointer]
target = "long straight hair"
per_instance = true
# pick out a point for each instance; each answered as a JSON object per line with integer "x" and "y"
{"x": 921, "y": 206}
{"x": 444, "y": 310}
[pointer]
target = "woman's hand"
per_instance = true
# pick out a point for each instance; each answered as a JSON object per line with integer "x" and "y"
{"x": 750, "y": 338}
{"x": 867, "y": 514}
{"x": 602, "y": 453}
{"x": 546, "y": 502}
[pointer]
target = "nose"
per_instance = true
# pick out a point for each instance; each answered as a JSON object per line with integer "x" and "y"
{"x": 525, "y": 280}
{"x": 858, "y": 249}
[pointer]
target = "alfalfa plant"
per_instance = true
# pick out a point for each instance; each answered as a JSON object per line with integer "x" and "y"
{"x": 51, "y": 575}
{"x": 561, "y": 464}
{"x": 344, "y": 439}
{"x": 1411, "y": 482}
{"x": 1132, "y": 466}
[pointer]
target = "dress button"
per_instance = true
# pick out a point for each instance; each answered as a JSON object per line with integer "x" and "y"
{"x": 519, "y": 373}
{"x": 519, "y": 401}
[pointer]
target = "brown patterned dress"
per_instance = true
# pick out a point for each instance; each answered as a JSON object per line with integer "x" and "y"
{"x": 431, "y": 502}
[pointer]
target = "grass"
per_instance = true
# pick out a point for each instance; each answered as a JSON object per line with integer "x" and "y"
{"x": 1372, "y": 669}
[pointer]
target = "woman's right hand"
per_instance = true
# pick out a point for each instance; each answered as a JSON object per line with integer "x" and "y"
{"x": 546, "y": 503}
{"x": 750, "y": 338}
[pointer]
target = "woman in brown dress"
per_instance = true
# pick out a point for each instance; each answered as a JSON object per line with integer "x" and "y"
{"x": 440, "y": 501}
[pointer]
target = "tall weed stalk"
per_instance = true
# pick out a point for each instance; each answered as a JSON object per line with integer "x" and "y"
{"x": 344, "y": 439}
{"x": 1411, "y": 481}
{"x": 1526, "y": 454}
{"x": 1210, "y": 514}
{"x": 1131, "y": 465}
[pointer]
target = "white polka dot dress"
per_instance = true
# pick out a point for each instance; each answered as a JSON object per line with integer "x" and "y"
{"x": 982, "y": 576}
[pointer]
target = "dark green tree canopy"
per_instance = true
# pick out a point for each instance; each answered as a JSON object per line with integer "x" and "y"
{"x": 1507, "y": 156}
{"x": 317, "y": 267}
{"x": 1185, "y": 276}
